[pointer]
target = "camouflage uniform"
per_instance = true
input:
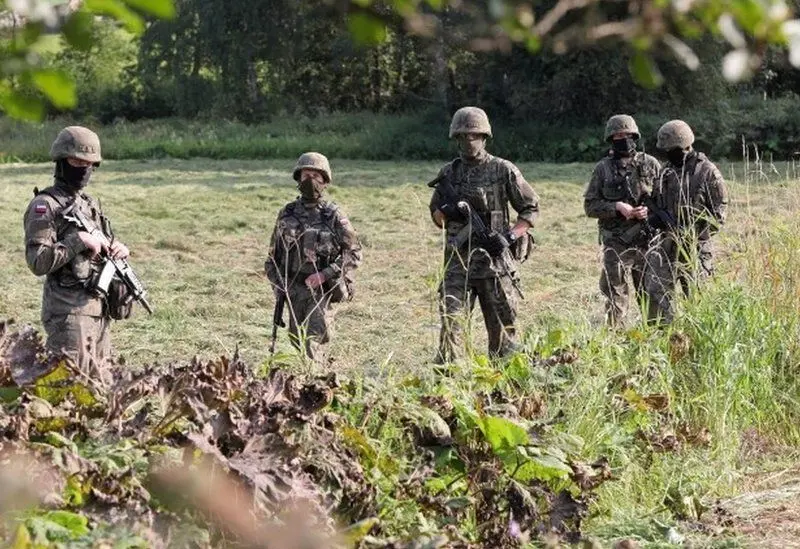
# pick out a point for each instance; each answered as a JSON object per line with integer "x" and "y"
{"x": 627, "y": 179}
{"x": 694, "y": 194}
{"x": 74, "y": 318}
{"x": 488, "y": 184}
{"x": 312, "y": 237}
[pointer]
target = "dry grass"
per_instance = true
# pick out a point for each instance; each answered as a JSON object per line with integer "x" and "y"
{"x": 199, "y": 229}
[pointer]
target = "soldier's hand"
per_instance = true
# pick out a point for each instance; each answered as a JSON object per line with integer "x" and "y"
{"x": 118, "y": 250}
{"x": 315, "y": 280}
{"x": 92, "y": 243}
{"x": 640, "y": 212}
{"x": 625, "y": 209}
{"x": 496, "y": 244}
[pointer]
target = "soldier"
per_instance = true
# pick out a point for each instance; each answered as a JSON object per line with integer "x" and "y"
{"x": 616, "y": 196}
{"x": 480, "y": 266}
{"x": 692, "y": 194}
{"x": 312, "y": 255}
{"x": 75, "y": 318}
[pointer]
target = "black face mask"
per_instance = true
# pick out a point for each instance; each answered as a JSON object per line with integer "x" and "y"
{"x": 311, "y": 189}
{"x": 676, "y": 157}
{"x": 74, "y": 177}
{"x": 623, "y": 147}
{"x": 471, "y": 149}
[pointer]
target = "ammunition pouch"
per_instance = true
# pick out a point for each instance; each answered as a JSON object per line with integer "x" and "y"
{"x": 119, "y": 300}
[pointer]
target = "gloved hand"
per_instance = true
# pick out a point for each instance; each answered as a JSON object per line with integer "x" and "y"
{"x": 496, "y": 243}
{"x": 451, "y": 212}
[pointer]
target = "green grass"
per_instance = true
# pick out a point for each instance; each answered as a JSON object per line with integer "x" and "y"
{"x": 199, "y": 229}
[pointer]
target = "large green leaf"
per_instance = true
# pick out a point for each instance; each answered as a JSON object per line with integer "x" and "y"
{"x": 645, "y": 71}
{"x": 119, "y": 11}
{"x": 503, "y": 435}
{"x": 164, "y": 9}
{"x": 57, "y": 85}
{"x": 22, "y": 106}
{"x": 366, "y": 29}
{"x": 77, "y": 30}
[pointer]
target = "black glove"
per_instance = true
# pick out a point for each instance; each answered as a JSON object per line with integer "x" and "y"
{"x": 451, "y": 212}
{"x": 496, "y": 243}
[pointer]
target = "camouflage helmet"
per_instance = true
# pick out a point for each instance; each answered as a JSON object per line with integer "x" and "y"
{"x": 76, "y": 142}
{"x": 314, "y": 161}
{"x": 621, "y": 123}
{"x": 675, "y": 134}
{"x": 470, "y": 120}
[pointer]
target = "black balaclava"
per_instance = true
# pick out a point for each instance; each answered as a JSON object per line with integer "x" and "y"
{"x": 73, "y": 178}
{"x": 677, "y": 156}
{"x": 623, "y": 147}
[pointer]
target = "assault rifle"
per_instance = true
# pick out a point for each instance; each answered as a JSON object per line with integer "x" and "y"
{"x": 277, "y": 318}
{"x": 658, "y": 219}
{"x": 455, "y": 209}
{"x": 111, "y": 267}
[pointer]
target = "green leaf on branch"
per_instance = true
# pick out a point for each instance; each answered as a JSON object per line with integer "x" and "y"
{"x": 57, "y": 86}
{"x": 645, "y": 71}
{"x": 78, "y": 29}
{"x": 366, "y": 29}
{"x": 164, "y": 9}
{"x": 119, "y": 11}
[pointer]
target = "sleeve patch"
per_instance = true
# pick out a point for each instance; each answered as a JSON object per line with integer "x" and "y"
{"x": 40, "y": 208}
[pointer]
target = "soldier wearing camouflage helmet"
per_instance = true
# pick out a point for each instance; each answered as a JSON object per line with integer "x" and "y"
{"x": 480, "y": 268}
{"x": 693, "y": 194}
{"x": 75, "y": 318}
{"x": 313, "y": 254}
{"x": 616, "y": 196}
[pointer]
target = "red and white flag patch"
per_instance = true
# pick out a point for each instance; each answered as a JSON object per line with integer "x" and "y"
{"x": 40, "y": 208}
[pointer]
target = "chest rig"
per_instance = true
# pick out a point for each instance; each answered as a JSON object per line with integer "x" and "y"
{"x": 81, "y": 271}
{"x": 308, "y": 238}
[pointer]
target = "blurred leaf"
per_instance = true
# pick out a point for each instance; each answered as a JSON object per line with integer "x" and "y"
{"x": 57, "y": 85}
{"x": 645, "y": 71}
{"x": 163, "y": 9}
{"x": 22, "y": 538}
{"x": 21, "y": 106}
{"x": 736, "y": 65}
{"x": 366, "y": 29}
{"x": 77, "y": 30}
{"x": 356, "y": 532}
{"x": 119, "y": 11}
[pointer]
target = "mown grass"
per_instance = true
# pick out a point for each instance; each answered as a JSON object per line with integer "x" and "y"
{"x": 199, "y": 230}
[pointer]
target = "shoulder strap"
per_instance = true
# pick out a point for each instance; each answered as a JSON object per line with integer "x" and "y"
{"x": 62, "y": 200}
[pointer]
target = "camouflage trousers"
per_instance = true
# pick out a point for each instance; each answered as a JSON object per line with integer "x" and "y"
{"x": 671, "y": 264}
{"x": 310, "y": 325}
{"x": 618, "y": 259}
{"x": 84, "y": 339}
{"x": 498, "y": 305}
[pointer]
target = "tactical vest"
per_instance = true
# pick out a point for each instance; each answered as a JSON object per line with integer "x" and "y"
{"x": 80, "y": 271}
{"x": 308, "y": 239}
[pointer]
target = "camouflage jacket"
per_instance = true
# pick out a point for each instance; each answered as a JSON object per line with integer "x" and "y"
{"x": 53, "y": 249}
{"x": 489, "y": 184}
{"x": 628, "y": 180}
{"x": 695, "y": 195}
{"x": 311, "y": 238}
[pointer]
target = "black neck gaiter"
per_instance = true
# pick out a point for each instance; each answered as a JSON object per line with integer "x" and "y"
{"x": 72, "y": 177}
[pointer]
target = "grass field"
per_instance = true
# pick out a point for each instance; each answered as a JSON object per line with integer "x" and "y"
{"x": 199, "y": 232}
{"x": 199, "y": 229}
